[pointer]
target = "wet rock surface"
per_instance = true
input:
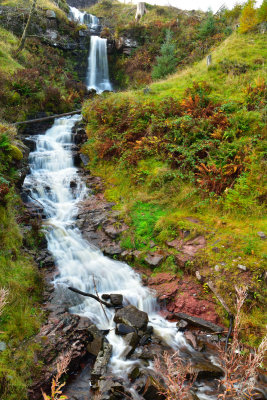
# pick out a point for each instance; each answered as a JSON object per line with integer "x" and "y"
{"x": 130, "y": 315}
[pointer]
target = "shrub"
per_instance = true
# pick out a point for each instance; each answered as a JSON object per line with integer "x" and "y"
{"x": 248, "y": 19}
{"x": 52, "y": 100}
{"x": 233, "y": 66}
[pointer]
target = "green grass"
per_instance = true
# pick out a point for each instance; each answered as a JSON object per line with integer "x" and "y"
{"x": 8, "y": 45}
{"x": 243, "y": 48}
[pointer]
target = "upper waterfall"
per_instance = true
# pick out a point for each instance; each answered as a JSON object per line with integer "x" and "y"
{"x": 98, "y": 72}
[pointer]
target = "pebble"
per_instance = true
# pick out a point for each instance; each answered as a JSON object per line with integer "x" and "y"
{"x": 261, "y": 235}
{"x": 217, "y": 268}
{"x": 242, "y": 267}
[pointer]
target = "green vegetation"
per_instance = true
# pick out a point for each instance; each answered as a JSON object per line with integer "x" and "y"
{"x": 21, "y": 317}
{"x": 189, "y": 150}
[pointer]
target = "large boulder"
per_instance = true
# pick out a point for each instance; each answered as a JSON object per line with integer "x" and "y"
{"x": 131, "y": 316}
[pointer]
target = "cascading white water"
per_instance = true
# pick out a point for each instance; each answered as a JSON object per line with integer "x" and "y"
{"x": 98, "y": 73}
{"x": 83, "y": 17}
{"x": 79, "y": 263}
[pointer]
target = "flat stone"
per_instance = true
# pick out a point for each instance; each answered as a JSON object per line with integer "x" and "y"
{"x": 242, "y": 267}
{"x": 101, "y": 363}
{"x": 217, "y": 268}
{"x": 130, "y": 315}
{"x": 112, "y": 250}
{"x": 154, "y": 259}
{"x": 262, "y": 235}
{"x": 195, "y": 321}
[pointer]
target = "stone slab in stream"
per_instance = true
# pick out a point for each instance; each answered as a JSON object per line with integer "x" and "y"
{"x": 130, "y": 315}
{"x": 195, "y": 321}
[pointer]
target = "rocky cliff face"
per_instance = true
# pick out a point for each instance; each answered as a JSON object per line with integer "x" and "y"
{"x": 81, "y": 3}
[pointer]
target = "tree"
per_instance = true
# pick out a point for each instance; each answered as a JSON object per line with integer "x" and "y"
{"x": 248, "y": 19}
{"x": 167, "y": 61}
{"x": 262, "y": 12}
{"x": 24, "y": 35}
{"x": 207, "y": 28}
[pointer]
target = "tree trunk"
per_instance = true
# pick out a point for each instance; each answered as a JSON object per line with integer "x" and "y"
{"x": 24, "y": 35}
{"x": 141, "y": 10}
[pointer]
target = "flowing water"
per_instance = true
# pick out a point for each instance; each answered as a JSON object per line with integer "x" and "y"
{"x": 98, "y": 72}
{"x": 80, "y": 264}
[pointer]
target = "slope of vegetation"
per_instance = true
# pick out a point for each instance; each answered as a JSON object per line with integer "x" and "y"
{"x": 191, "y": 148}
{"x": 21, "y": 317}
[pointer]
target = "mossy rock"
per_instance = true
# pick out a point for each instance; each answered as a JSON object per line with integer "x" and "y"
{"x": 16, "y": 153}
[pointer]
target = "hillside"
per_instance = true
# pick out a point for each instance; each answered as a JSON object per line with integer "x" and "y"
{"x": 191, "y": 148}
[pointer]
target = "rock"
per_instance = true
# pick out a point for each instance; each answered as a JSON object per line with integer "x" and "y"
{"x": 122, "y": 329}
{"x": 242, "y": 267}
{"x": 195, "y": 321}
{"x": 95, "y": 345}
{"x": 191, "y": 339}
{"x": 152, "y": 244}
{"x": 2, "y": 346}
{"x": 145, "y": 339}
{"x": 84, "y": 158}
{"x": 101, "y": 363}
{"x": 198, "y": 276}
{"x": 112, "y": 250}
{"x": 50, "y": 14}
{"x": 154, "y": 259}
{"x": 105, "y": 296}
{"x": 110, "y": 390}
{"x": 116, "y": 299}
{"x": 215, "y": 249}
{"x": 134, "y": 374}
{"x": 261, "y": 235}
{"x": 182, "y": 325}
{"x": 130, "y": 315}
{"x": 61, "y": 333}
{"x": 217, "y": 268}
{"x": 51, "y": 34}
{"x": 132, "y": 340}
{"x": 114, "y": 231}
{"x": 149, "y": 391}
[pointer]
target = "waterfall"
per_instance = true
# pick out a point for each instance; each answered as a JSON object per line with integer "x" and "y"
{"x": 97, "y": 72}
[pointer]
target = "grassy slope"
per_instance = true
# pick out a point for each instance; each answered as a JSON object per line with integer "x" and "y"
{"x": 231, "y": 229}
{"x": 8, "y": 44}
{"x": 19, "y": 274}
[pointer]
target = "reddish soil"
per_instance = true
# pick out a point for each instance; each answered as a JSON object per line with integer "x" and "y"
{"x": 183, "y": 295}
